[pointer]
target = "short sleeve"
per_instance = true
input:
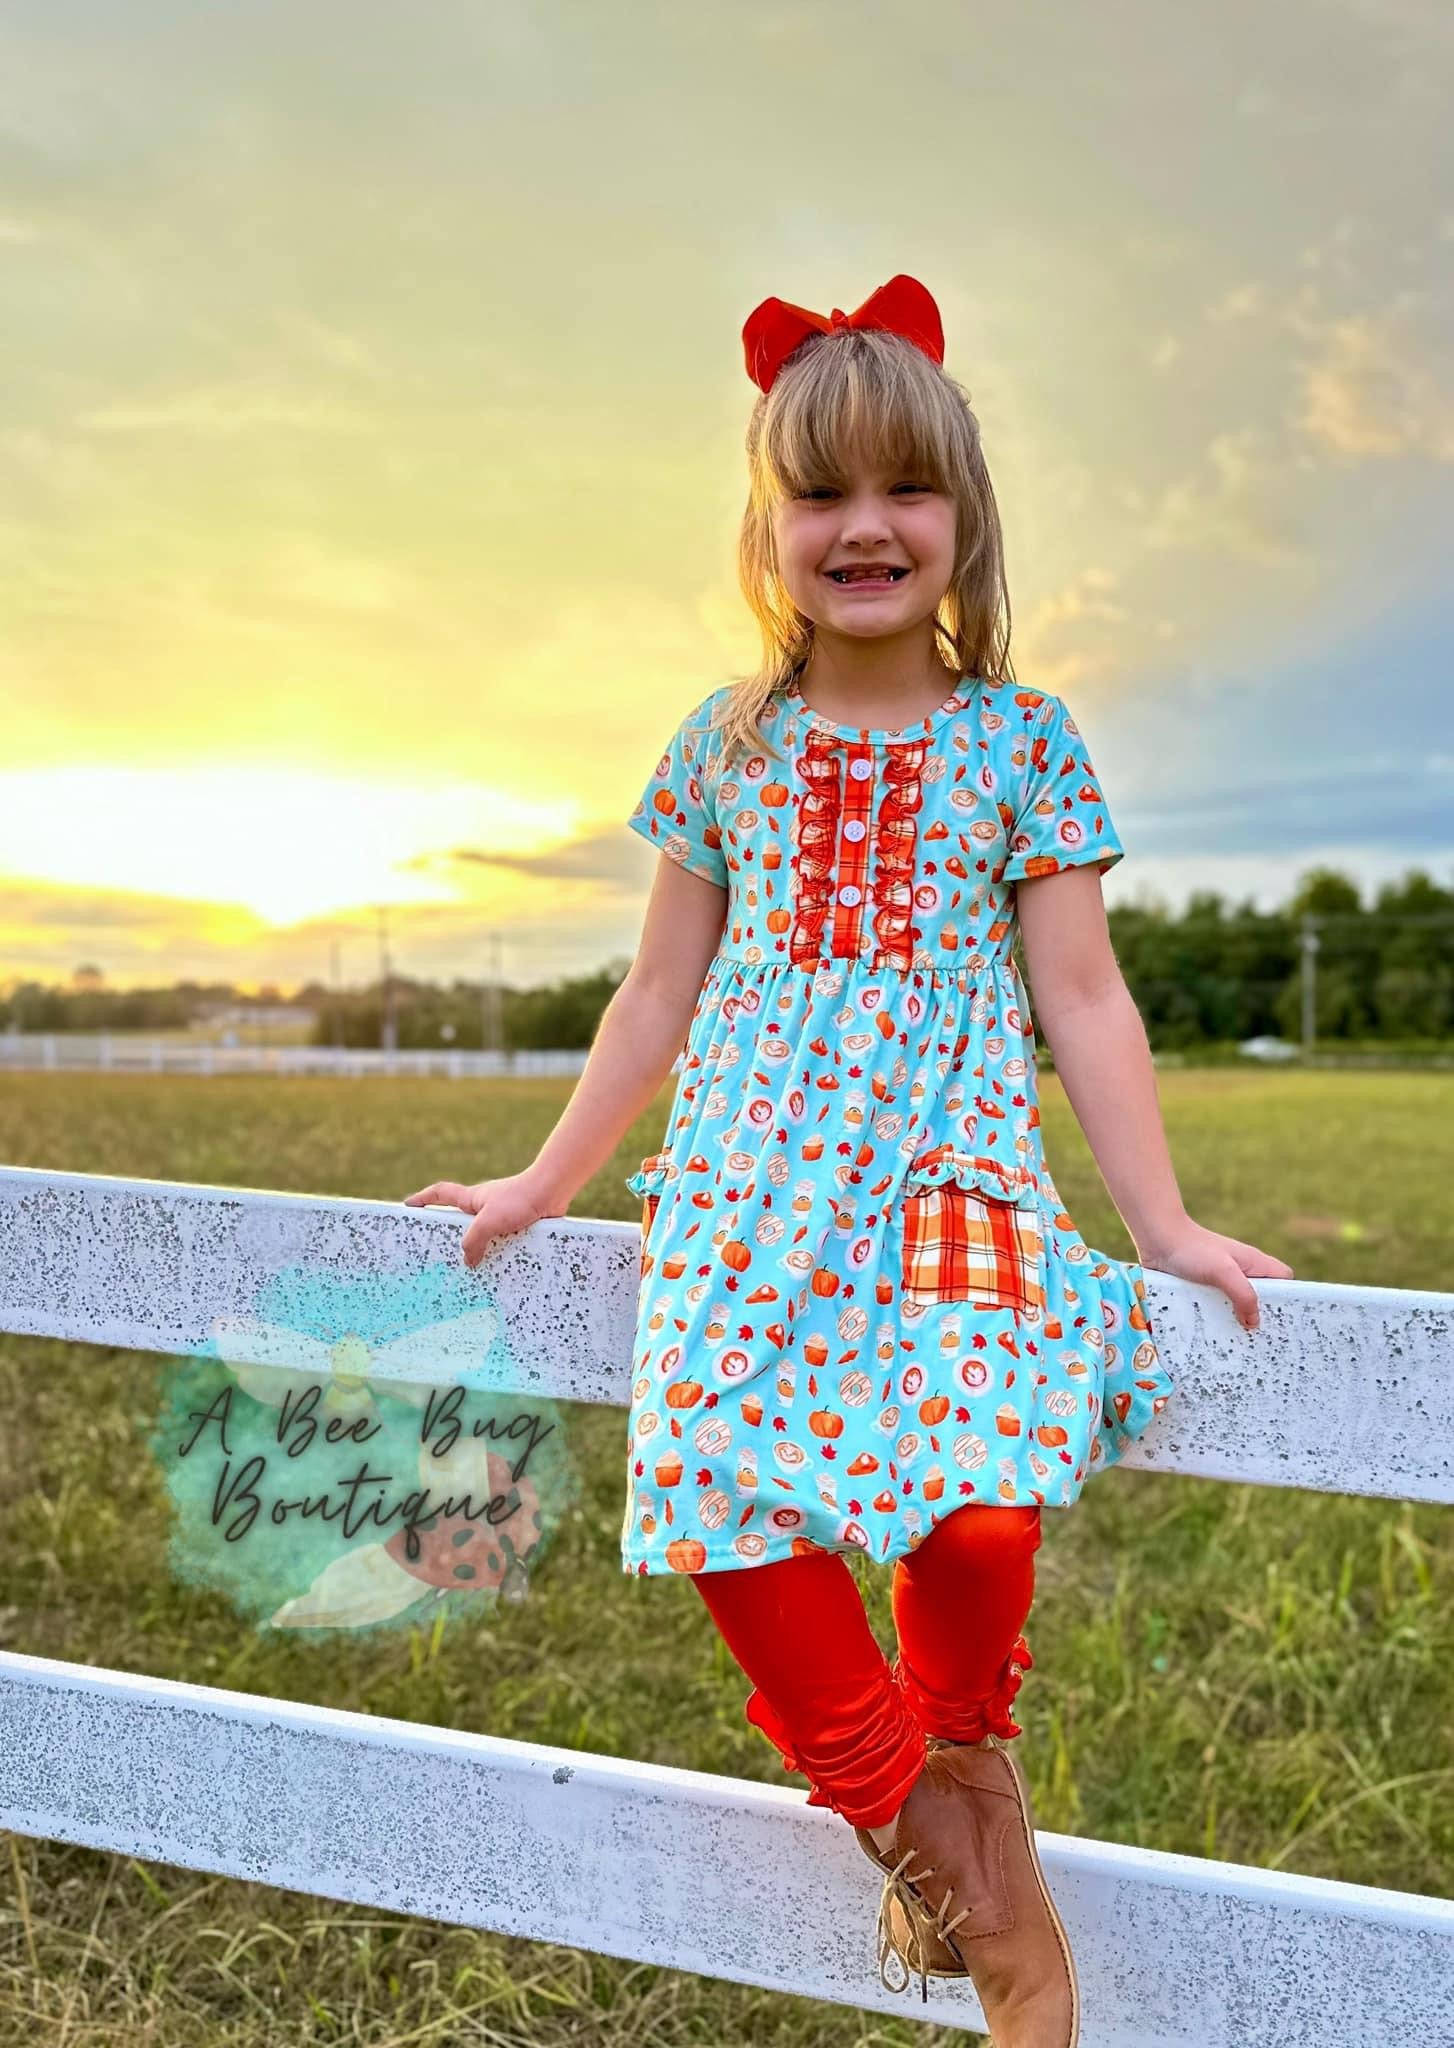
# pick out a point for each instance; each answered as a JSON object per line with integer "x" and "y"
{"x": 1061, "y": 820}
{"x": 675, "y": 811}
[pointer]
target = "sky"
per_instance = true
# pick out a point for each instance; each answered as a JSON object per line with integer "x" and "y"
{"x": 372, "y": 413}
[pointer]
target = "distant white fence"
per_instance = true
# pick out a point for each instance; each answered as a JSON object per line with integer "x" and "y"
{"x": 133, "y": 1053}
{"x": 1346, "y": 1389}
{"x": 124, "y": 1053}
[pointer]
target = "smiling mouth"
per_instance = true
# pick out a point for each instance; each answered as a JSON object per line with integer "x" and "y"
{"x": 875, "y": 578}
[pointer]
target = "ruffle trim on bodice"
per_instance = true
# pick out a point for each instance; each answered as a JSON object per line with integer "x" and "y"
{"x": 820, "y": 813}
{"x": 818, "y": 856}
{"x": 1002, "y": 1180}
{"x": 895, "y": 846}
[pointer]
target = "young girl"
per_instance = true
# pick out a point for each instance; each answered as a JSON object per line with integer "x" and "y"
{"x": 866, "y": 1322}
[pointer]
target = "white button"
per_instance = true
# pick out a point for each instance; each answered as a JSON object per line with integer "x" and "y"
{"x": 849, "y": 895}
{"x": 860, "y": 769}
{"x": 854, "y": 829}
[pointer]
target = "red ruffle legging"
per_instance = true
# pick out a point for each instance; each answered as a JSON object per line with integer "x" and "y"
{"x": 823, "y": 1692}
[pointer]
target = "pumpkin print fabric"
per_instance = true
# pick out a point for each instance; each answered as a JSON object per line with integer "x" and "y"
{"x": 862, "y": 1303}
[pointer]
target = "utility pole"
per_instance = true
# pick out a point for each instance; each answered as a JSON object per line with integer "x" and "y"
{"x": 389, "y": 1024}
{"x": 1310, "y": 980}
{"x": 491, "y": 1013}
{"x": 337, "y": 994}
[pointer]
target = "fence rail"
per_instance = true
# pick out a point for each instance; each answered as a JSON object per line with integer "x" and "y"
{"x": 1342, "y": 1389}
{"x": 119, "y": 1053}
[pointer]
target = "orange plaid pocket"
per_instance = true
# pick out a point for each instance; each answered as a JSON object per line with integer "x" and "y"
{"x": 975, "y": 1245}
{"x": 649, "y": 1206}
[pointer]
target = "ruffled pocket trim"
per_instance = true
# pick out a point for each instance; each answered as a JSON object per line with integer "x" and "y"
{"x": 656, "y": 1173}
{"x": 1002, "y": 1180}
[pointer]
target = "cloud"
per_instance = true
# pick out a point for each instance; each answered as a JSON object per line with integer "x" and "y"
{"x": 225, "y": 411}
{"x": 1085, "y": 597}
{"x": 1224, "y": 507}
{"x": 303, "y": 571}
{"x": 1165, "y": 351}
{"x": 1362, "y": 815}
{"x": 331, "y": 346}
{"x": 1239, "y": 303}
{"x": 1367, "y": 393}
{"x": 609, "y": 857}
{"x": 1072, "y": 614}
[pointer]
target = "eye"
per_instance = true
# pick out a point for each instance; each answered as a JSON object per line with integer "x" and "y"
{"x": 913, "y": 487}
{"x": 817, "y": 491}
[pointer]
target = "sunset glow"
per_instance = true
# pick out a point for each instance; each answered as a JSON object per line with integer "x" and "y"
{"x": 371, "y": 441}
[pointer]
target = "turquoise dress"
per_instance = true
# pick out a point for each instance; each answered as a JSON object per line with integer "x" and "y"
{"x": 862, "y": 1303}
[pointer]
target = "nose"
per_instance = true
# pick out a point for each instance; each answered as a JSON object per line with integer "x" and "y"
{"x": 865, "y": 520}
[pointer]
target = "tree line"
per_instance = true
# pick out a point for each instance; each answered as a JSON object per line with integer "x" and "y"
{"x": 1210, "y": 974}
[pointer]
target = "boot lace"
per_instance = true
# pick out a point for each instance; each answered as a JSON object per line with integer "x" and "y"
{"x": 899, "y": 1883}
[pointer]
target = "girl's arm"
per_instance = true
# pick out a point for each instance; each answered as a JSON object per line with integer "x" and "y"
{"x": 642, "y": 1029}
{"x": 1094, "y": 1030}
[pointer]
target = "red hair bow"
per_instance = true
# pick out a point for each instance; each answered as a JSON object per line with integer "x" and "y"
{"x": 774, "y": 329}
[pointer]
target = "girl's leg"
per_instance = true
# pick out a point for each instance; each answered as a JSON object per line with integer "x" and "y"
{"x": 959, "y": 1602}
{"x": 823, "y": 1693}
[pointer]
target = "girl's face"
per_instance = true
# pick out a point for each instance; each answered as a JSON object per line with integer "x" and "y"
{"x": 888, "y": 522}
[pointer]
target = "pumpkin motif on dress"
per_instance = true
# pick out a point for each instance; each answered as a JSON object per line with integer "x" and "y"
{"x": 853, "y": 1251}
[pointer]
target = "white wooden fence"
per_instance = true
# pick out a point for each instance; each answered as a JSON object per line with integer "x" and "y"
{"x": 120, "y": 1052}
{"x": 1343, "y": 1389}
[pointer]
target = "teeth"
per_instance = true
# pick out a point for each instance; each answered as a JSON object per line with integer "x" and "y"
{"x": 866, "y": 576}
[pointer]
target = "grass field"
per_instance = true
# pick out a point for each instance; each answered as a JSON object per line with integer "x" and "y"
{"x": 1220, "y": 1670}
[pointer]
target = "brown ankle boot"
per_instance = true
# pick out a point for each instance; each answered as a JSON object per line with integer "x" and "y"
{"x": 964, "y": 1875}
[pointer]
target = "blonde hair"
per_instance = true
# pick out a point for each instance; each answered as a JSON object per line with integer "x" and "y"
{"x": 870, "y": 393}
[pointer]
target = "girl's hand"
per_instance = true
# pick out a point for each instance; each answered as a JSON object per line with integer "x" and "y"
{"x": 1194, "y": 1253}
{"x": 499, "y": 1207}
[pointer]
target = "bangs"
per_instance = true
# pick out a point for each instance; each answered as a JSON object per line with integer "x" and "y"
{"x": 856, "y": 402}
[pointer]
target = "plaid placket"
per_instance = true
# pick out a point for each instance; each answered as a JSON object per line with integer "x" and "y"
{"x": 855, "y": 838}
